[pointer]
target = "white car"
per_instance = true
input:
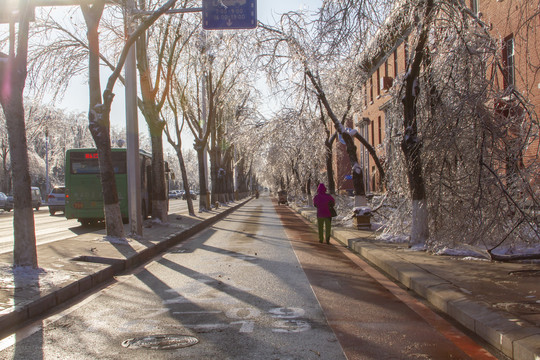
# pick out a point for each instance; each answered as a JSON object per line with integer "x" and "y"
{"x": 57, "y": 200}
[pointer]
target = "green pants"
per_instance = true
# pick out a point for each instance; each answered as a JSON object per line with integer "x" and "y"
{"x": 325, "y": 225}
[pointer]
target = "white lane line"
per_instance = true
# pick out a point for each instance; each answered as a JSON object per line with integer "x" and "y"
{"x": 197, "y": 312}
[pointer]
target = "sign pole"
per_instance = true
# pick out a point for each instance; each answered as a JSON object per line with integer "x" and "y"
{"x": 132, "y": 130}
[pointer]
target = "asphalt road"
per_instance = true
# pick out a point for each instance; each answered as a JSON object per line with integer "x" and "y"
{"x": 256, "y": 285}
{"x": 53, "y": 228}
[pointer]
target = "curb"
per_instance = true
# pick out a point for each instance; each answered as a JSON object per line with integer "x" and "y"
{"x": 513, "y": 338}
{"x": 15, "y": 316}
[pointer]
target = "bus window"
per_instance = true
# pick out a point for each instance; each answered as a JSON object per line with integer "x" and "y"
{"x": 88, "y": 163}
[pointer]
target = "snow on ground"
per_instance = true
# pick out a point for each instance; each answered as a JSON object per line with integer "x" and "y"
{"x": 344, "y": 204}
{"x": 26, "y": 276}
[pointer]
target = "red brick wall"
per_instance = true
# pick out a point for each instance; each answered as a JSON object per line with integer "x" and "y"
{"x": 395, "y": 64}
{"x": 504, "y": 17}
{"x": 507, "y": 18}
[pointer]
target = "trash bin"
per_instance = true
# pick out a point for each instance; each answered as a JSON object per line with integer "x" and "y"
{"x": 362, "y": 217}
{"x": 282, "y": 197}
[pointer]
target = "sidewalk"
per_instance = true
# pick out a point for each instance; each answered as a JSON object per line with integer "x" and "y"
{"x": 500, "y": 302}
{"x": 76, "y": 265}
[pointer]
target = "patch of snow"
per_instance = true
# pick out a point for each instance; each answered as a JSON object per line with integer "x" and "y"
{"x": 396, "y": 239}
{"x": 135, "y": 236}
{"x": 454, "y": 252}
{"x": 24, "y": 276}
{"x": 517, "y": 249}
{"x": 473, "y": 258}
{"x": 418, "y": 247}
{"x": 362, "y": 210}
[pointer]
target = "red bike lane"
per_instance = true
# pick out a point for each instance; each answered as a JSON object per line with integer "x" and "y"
{"x": 372, "y": 317}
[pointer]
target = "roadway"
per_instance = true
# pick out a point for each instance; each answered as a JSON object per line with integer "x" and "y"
{"x": 53, "y": 228}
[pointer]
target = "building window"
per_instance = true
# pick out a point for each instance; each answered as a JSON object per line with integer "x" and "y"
{"x": 378, "y": 82}
{"x": 365, "y": 94}
{"x": 508, "y": 61}
{"x": 371, "y": 88}
{"x": 395, "y": 64}
{"x": 380, "y": 130}
{"x": 373, "y": 133}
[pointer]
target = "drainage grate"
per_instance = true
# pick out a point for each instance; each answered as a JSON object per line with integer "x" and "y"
{"x": 160, "y": 342}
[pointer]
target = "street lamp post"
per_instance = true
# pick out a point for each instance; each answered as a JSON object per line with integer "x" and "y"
{"x": 132, "y": 132}
{"x": 47, "y": 161}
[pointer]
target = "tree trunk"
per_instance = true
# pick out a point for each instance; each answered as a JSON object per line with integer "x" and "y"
{"x": 329, "y": 166}
{"x": 150, "y": 110}
{"x": 214, "y": 167}
{"x": 185, "y": 181}
{"x": 308, "y": 192}
{"x": 159, "y": 184}
{"x": 411, "y": 143}
{"x": 230, "y": 180}
{"x": 12, "y": 81}
{"x": 99, "y": 124}
{"x": 358, "y": 174}
{"x": 226, "y": 165}
{"x": 203, "y": 206}
{"x": 113, "y": 215}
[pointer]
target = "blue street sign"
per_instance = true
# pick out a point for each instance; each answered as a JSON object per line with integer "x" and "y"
{"x": 229, "y": 14}
{"x": 341, "y": 137}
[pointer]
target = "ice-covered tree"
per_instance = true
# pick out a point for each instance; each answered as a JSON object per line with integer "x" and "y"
{"x": 13, "y": 72}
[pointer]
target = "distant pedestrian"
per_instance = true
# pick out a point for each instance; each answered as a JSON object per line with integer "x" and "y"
{"x": 323, "y": 202}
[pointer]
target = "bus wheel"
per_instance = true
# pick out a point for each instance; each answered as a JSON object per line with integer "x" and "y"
{"x": 84, "y": 222}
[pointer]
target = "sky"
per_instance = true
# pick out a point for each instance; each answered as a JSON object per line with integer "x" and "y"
{"x": 76, "y": 98}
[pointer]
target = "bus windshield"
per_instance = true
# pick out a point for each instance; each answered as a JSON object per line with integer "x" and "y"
{"x": 88, "y": 163}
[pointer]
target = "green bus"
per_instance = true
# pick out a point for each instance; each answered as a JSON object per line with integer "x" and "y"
{"x": 84, "y": 198}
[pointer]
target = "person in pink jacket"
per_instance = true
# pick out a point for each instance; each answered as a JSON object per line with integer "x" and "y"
{"x": 322, "y": 202}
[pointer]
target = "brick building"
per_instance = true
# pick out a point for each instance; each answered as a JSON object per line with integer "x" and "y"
{"x": 514, "y": 22}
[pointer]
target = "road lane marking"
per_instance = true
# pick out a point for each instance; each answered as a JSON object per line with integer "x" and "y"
{"x": 196, "y": 312}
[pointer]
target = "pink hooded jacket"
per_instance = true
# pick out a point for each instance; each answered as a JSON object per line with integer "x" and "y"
{"x": 322, "y": 201}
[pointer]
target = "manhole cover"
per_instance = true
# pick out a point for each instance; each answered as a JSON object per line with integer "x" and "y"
{"x": 160, "y": 342}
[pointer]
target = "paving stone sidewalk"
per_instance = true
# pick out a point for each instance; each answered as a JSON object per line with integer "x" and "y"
{"x": 73, "y": 266}
{"x": 500, "y": 302}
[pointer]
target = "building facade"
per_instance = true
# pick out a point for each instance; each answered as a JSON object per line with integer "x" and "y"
{"x": 514, "y": 23}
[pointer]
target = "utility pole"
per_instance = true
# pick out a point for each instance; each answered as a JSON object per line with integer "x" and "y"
{"x": 47, "y": 186}
{"x": 132, "y": 121}
{"x": 132, "y": 131}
